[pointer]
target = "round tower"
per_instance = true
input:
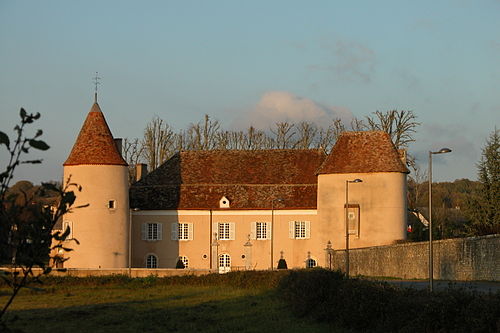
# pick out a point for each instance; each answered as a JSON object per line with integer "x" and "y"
{"x": 96, "y": 164}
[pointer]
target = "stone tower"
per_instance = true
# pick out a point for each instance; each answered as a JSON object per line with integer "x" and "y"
{"x": 96, "y": 164}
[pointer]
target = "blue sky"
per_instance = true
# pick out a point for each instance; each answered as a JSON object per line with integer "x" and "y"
{"x": 246, "y": 62}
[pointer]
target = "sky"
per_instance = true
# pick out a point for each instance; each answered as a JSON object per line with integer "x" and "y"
{"x": 253, "y": 63}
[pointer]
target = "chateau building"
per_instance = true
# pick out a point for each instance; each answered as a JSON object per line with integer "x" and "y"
{"x": 233, "y": 209}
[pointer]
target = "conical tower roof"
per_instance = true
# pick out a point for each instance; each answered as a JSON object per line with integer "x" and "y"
{"x": 363, "y": 152}
{"x": 95, "y": 144}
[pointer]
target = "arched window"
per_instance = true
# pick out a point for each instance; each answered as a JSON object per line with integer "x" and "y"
{"x": 310, "y": 263}
{"x": 151, "y": 261}
{"x": 185, "y": 261}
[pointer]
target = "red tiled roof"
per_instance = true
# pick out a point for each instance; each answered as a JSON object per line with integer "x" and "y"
{"x": 249, "y": 179}
{"x": 95, "y": 144}
{"x": 363, "y": 152}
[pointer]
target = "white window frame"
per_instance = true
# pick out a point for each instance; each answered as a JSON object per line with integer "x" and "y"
{"x": 300, "y": 229}
{"x": 65, "y": 225}
{"x": 224, "y": 262}
{"x": 152, "y": 231}
{"x": 228, "y": 231}
{"x": 185, "y": 261}
{"x": 182, "y": 231}
{"x": 309, "y": 261}
{"x": 156, "y": 261}
{"x": 261, "y": 230}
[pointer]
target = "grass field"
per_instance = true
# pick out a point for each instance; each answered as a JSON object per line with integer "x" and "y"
{"x": 73, "y": 305}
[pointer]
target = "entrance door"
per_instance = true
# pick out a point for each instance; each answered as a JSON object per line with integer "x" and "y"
{"x": 224, "y": 263}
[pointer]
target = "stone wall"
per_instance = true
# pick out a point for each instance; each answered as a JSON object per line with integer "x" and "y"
{"x": 464, "y": 259}
{"x": 134, "y": 272}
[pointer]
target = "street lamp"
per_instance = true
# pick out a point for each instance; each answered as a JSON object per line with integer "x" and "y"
{"x": 431, "y": 254}
{"x": 272, "y": 228}
{"x": 357, "y": 180}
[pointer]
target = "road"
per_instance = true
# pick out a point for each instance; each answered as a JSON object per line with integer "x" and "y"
{"x": 478, "y": 286}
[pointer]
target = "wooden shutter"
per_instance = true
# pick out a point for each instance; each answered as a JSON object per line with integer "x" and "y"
{"x": 144, "y": 231}
{"x": 268, "y": 230}
{"x": 190, "y": 231}
{"x": 160, "y": 231}
{"x": 253, "y": 230}
{"x": 232, "y": 231}
{"x": 174, "y": 234}
{"x": 291, "y": 229}
{"x": 308, "y": 229}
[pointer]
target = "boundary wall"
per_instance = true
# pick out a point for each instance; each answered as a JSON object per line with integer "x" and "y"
{"x": 460, "y": 259}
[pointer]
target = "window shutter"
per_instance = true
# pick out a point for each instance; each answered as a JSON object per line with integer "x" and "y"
{"x": 268, "y": 230}
{"x": 190, "y": 231}
{"x": 232, "y": 232}
{"x": 174, "y": 235}
{"x": 291, "y": 229}
{"x": 160, "y": 231}
{"x": 144, "y": 231}
{"x": 253, "y": 230}
{"x": 308, "y": 229}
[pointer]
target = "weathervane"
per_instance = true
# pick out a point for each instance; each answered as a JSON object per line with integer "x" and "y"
{"x": 96, "y": 82}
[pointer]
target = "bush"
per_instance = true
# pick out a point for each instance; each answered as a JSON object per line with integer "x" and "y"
{"x": 282, "y": 264}
{"x": 379, "y": 307}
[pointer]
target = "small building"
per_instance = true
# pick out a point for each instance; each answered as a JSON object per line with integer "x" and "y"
{"x": 234, "y": 209}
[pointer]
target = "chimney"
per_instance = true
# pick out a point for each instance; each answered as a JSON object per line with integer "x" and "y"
{"x": 141, "y": 170}
{"x": 118, "y": 144}
{"x": 402, "y": 155}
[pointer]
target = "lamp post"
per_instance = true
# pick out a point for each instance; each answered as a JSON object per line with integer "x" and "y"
{"x": 130, "y": 241}
{"x": 272, "y": 228}
{"x": 357, "y": 180}
{"x": 431, "y": 253}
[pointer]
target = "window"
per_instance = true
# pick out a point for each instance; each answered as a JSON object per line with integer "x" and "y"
{"x": 300, "y": 229}
{"x": 310, "y": 263}
{"x": 182, "y": 231}
{"x": 111, "y": 204}
{"x": 224, "y": 263}
{"x": 224, "y": 202}
{"x": 151, "y": 231}
{"x": 226, "y": 231}
{"x": 66, "y": 225}
{"x": 261, "y": 230}
{"x": 151, "y": 261}
{"x": 185, "y": 261}
{"x": 353, "y": 219}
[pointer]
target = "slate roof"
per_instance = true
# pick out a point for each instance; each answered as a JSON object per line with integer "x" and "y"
{"x": 363, "y": 152}
{"x": 249, "y": 179}
{"x": 95, "y": 144}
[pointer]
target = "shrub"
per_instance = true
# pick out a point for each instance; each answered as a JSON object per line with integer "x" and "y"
{"x": 379, "y": 307}
{"x": 282, "y": 264}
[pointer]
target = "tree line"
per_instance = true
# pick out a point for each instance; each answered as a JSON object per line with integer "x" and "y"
{"x": 160, "y": 141}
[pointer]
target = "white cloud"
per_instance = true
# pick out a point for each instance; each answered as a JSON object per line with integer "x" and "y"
{"x": 275, "y": 106}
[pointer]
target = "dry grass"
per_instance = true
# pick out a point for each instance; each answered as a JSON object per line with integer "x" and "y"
{"x": 152, "y": 306}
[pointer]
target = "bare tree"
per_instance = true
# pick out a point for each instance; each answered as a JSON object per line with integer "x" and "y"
{"x": 158, "y": 143}
{"x": 306, "y": 135}
{"x": 283, "y": 135}
{"x": 132, "y": 153}
{"x": 203, "y": 135}
{"x": 400, "y": 125}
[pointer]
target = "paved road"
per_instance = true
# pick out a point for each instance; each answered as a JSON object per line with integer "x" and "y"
{"x": 479, "y": 286}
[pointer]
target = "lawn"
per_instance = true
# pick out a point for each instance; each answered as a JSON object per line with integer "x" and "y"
{"x": 151, "y": 305}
